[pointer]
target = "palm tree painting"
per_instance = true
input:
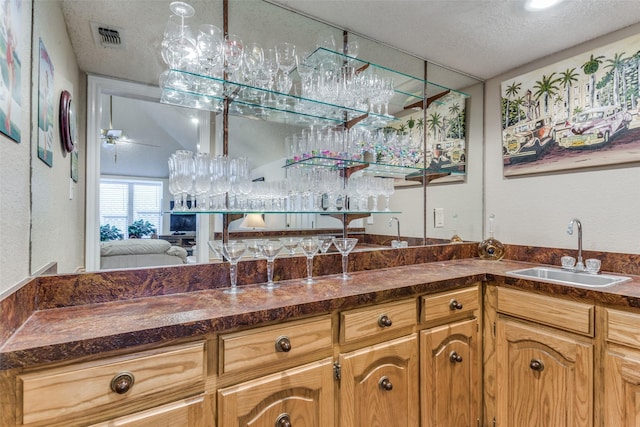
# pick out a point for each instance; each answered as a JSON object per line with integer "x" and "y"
{"x": 578, "y": 113}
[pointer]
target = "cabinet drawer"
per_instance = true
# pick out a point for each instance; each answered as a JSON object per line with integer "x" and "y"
{"x": 248, "y": 349}
{"x": 450, "y": 304}
{"x": 88, "y": 387}
{"x": 623, "y": 327}
{"x": 560, "y": 313}
{"x": 367, "y": 322}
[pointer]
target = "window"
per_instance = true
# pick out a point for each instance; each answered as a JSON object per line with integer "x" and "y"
{"x": 125, "y": 201}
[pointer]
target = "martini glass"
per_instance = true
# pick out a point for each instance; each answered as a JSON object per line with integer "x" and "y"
{"x": 310, "y": 248}
{"x": 290, "y": 244}
{"x": 270, "y": 249}
{"x": 345, "y": 245}
{"x": 232, "y": 252}
{"x": 253, "y": 246}
{"x": 325, "y": 244}
{"x": 216, "y": 248}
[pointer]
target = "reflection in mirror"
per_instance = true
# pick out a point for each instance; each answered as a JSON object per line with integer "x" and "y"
{"x": 462, "y": 200}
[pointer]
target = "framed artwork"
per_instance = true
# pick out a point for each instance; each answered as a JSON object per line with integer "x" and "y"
{"x": 45, "y": 107}
{"x": 10, "y": 68}
{"x": 578, "y": 113}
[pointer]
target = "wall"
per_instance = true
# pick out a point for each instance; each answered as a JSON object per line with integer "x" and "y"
{"x": 58, "y": 221}
{"x": 14, "y": 175}
{"x": 536, "y": 210}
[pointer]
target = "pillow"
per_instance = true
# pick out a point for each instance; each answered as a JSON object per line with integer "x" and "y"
{"x": 134, "y": 246}
{"x": 179, "y": 252}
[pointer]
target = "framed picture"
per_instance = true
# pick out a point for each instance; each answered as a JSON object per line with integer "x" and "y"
{"x": 45, "y": 107}
{"x": 10, "y": 69}
{"x": 578, "y": 113}
{"x": 74, "y": 164}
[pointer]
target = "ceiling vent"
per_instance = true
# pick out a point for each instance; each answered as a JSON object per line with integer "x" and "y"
{"x": 107, "y": 35}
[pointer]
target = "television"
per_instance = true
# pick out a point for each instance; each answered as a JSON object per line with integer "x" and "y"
{"x": 182, "y": 223}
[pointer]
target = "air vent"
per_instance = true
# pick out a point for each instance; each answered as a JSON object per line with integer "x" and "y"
{"x": 107, "y": 35}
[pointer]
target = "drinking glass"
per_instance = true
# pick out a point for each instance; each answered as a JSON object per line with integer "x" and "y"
{"x": 253, "y": 246}
{"x": 387, "y": 190}
{"x": 233, "y": 251}
{"x": 310, "y": 248}
{"x": 325, "y": 243}
{"x": 270, "y": 249}
{"x": 290, "y": 244}
{"x": 345, "y": 245}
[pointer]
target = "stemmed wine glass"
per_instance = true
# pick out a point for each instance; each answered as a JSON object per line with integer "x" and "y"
{"x": 232, "y": 252}
{"x": 310, "y": 248}
{"x": 387, "y": 190}
{"x": 325, "y": 243}
{"x": 345, "y": 245}
{"x": 290, "y": 244}
{"x": 270, "y": 249}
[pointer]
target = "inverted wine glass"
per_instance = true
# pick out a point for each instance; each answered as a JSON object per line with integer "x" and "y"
{"x": 345, "y": 245}
{"x": 310, "y": 248}
{"x": 270, "y": 249}
{"x": 232, "y": 252}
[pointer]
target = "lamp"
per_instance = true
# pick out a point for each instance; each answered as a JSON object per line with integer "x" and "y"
{"x": 253, "y": 221}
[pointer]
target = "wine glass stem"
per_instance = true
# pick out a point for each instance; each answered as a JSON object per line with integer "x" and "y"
{"x": 270, "y": 272}
{"x": 233, "y": 274}
{"x": 345, "y": 264}
{"x": 309, "y": 268}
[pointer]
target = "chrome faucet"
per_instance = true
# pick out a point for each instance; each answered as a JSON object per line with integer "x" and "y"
{"x": 579, "y": 264}
{"x": 393, "y": 218}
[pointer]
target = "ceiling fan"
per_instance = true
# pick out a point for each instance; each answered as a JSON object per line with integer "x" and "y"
{"x": 112, "y": 136}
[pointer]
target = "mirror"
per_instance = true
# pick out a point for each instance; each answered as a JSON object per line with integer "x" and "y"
{"x": 462, "y": 199}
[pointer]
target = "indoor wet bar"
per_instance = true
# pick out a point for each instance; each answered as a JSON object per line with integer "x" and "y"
{"x": 235, "y": 213}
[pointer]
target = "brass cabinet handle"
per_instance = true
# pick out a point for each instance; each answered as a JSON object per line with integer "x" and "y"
{"x": 536, "y": 365}
{"x": 384, "y": 321}
{"x": 283, "y": 344}
{"x": 283, "y": 421}
{"x": 454, "y": 357}
{"x": 385, "y": 384}
{"x": 455, "y": 305}
{"x": 122, "y": 382}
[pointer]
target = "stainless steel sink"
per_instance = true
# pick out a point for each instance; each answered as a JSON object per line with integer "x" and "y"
{"x": 567, "y": 277}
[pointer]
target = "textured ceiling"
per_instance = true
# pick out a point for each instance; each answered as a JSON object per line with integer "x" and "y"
{"x": 482, "y": 38}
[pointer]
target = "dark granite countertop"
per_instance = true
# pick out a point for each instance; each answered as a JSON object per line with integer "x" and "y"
{"x": 58, "y": 334}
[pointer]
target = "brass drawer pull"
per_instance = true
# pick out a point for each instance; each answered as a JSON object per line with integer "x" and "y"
{"x": 536, "y": 365}
{"x": 283, "y": 421}
{"x": 454, "y": 357}
{"x": 384, "y": 321}
{"x": 385, "y": 384}
{"x": 283, "y": 344}
{"x": 122, "y": 382}
{"x": 455, "y": 305}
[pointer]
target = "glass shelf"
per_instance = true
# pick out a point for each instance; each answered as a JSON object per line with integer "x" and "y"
{"x": 378, "y": 169}
{"x": 241, "y": 212}
{"x": 188, "y": 89}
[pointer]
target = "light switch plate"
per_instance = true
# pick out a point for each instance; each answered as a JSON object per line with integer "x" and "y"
{"x": 438, "y": 217}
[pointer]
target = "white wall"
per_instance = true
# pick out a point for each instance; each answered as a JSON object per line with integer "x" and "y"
{"x": 14, "y": 176}
{"x": 57, "y": 205}
{"x": 58, "y": 222}
{"x": 536, "y": 210}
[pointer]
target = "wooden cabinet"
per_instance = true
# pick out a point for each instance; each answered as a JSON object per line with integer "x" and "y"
{"x": 378, "y": 385}
{"x": 301, "y": 396}
{"x": 449, "y": 359}
{"x": 449, "y": 378}
{"x": 622, "y": 369}
{"x": 543, "y": 376}
{"x": 104, "y": 389}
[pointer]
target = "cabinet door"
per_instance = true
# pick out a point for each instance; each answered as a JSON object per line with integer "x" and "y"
{"x": 301, "y": 396}
{"x": 449, "y": 375}
{"x": 544, "y": 378}
{"x": 622, "y": 389}
{"x": 379, "y": 385}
